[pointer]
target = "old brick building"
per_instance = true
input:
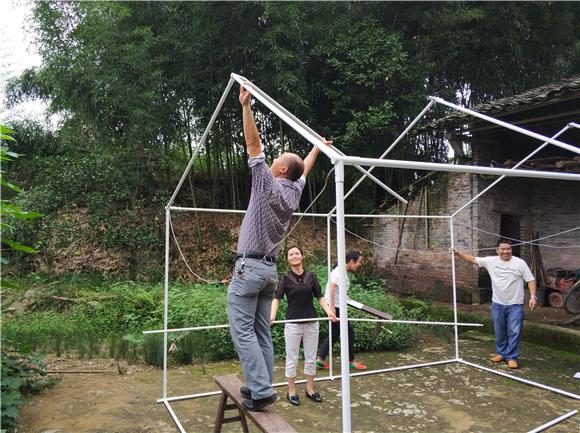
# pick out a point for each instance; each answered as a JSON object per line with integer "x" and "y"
{"x": 414, "y": 251}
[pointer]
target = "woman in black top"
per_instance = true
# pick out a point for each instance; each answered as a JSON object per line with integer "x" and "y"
{"x": 301, "y": 287}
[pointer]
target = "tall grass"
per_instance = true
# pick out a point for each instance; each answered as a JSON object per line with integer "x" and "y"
{"x": 113, "y": 325}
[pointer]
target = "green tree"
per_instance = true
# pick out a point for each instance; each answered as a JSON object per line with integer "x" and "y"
{"x": 9, "y": 212}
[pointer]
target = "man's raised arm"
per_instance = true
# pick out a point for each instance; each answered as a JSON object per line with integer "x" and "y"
{"x": 251, "y": 134}
{"x": 311, "y": 158}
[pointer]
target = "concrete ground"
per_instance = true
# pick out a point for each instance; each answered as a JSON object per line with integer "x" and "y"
{"x": 446, "y": 398}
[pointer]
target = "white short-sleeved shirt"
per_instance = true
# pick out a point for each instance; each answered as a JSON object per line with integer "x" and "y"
{"x": 507, "y": 278}
{"x": 334, "y": 278}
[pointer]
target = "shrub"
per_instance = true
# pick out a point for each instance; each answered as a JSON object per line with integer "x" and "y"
{"x": 115, "y": 322}
{"x": 22, "y": 373}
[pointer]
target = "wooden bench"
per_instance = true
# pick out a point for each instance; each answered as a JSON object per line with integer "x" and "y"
{"x": 267, "y": 421}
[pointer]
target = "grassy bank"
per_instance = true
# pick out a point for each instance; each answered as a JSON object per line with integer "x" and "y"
{"x": 88, "y": 317}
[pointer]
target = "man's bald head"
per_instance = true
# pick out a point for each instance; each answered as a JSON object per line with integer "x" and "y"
{"x": 288, "y": 165}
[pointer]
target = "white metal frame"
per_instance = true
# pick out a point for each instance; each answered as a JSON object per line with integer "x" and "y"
{"x": 340, "y": 160}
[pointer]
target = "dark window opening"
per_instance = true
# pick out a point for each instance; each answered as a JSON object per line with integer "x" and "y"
{"x": 509, "y": 227}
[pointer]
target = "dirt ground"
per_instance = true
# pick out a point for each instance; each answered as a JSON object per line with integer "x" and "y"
{"x": 446, "y": 398}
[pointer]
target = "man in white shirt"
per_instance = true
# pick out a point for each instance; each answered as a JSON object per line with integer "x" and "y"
{"x": 354, "y": 261}
{"x": 508, "y": 274}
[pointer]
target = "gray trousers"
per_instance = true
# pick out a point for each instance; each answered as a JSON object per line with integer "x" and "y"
{"x": 250, "y": 295}
{"x": 294, "y": 333}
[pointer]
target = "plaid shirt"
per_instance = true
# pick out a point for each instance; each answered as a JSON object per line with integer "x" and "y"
{"x": 272, "y": 203}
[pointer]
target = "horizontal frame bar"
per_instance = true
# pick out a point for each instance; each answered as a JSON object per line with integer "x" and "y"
{"x": 554, "y": 422}
{"x": 317, "y": 319}
{"x": 172, "y": 413}
{"x": 473, "y": 169}
{"x": 519, "y": 379}
{"x": 316, "y": 379}
{"x": 318, "y": 215}
{"x": 523, "y": 131}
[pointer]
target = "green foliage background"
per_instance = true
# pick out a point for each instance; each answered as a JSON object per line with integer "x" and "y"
{"x": 112, "y": 316}
{"x": 135, "y": 84}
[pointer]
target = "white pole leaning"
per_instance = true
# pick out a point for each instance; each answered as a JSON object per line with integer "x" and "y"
{"x": 340, "y": 257}
{"x": 392, "y": 146}
{"x": 455, "y": 168}
{"x": 277, "y": 109}
{"x": 454, "y": 284}
{"x": 291, "y": 120}
{"x": 523, "y": 131}
{"x": 202, "y": 140}
{"x": 554, "y": 422}
{"x": 499, "y": 179}
{"x": 166, "y": 300}
{"x": 329, "y": 270}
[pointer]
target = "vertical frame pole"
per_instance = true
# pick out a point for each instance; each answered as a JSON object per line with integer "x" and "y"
{"x": 340, "y": 257}
{"x": 166, "y": 300}
{"x": 453, "y": 276}
{"x": 328, "y": 270}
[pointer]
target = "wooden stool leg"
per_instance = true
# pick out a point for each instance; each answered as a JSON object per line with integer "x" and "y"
{"x": 243, "y": 421}
{"x": 219, "y": 417}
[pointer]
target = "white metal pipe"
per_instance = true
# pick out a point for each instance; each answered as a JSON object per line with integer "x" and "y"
{"x": 276, "y": 108}
{"x": 350, "y": 319}
{"x": 574, "y": 125}
{"x": 317, "y": 379}
{"x": 175, "y": 419}
{"x": 404, "y": 367}
{"x": 413, "y": 322}
{"x": 499, "y": 179}
{"x": 342, "y": 281}
{"x": 507, "y": 125}
{"x": 203, "y": 328}
{"x": 328, "y": 271}
{"x": 408, "y": 128}
{"x": 454, "y": 284}
{"x": 519, "y": 379}
{"x": 435, "y": 166}
{"x": 202, "y": 140}
{"x": 392, "y": 146}
{"x": 554, "y": 421}
{"x": 237, "y": 211}
{"x": 317, "y": 215}
{"x": 190, "y": 396}
{"x": 380, "y": 183}
{"x": 288, "y": 117}
{"x": 166, "y": 300}
{"x": 379, "y": 216}
{"x": 368, "y": 174}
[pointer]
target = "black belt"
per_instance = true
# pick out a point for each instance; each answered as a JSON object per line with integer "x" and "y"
{"x": 268, "y": 259}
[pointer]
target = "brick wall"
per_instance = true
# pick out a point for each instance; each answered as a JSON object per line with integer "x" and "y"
{"x": 422, "y": 267}
{"x": 556, "y": 207}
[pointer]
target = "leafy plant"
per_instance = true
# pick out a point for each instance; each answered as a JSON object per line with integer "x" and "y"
{"x": 8, "y": 210}
{"x": 22, "y": 374}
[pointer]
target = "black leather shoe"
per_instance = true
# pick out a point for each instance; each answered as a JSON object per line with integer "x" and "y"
{"x": 293, "y": 399}
{"x": 259, "y": 404}
{"x": 246, "y": 392}
{"x": 314, "y": 397}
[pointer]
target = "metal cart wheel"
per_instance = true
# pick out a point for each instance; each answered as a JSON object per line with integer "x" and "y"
{"x": 572, "y": 299}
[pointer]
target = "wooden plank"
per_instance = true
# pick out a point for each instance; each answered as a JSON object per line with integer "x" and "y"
{"x": 267, "y": 421}
{"x": 370, "y": 310}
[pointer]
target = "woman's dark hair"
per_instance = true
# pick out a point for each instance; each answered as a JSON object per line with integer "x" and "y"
{"x": 297, "y": 247}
